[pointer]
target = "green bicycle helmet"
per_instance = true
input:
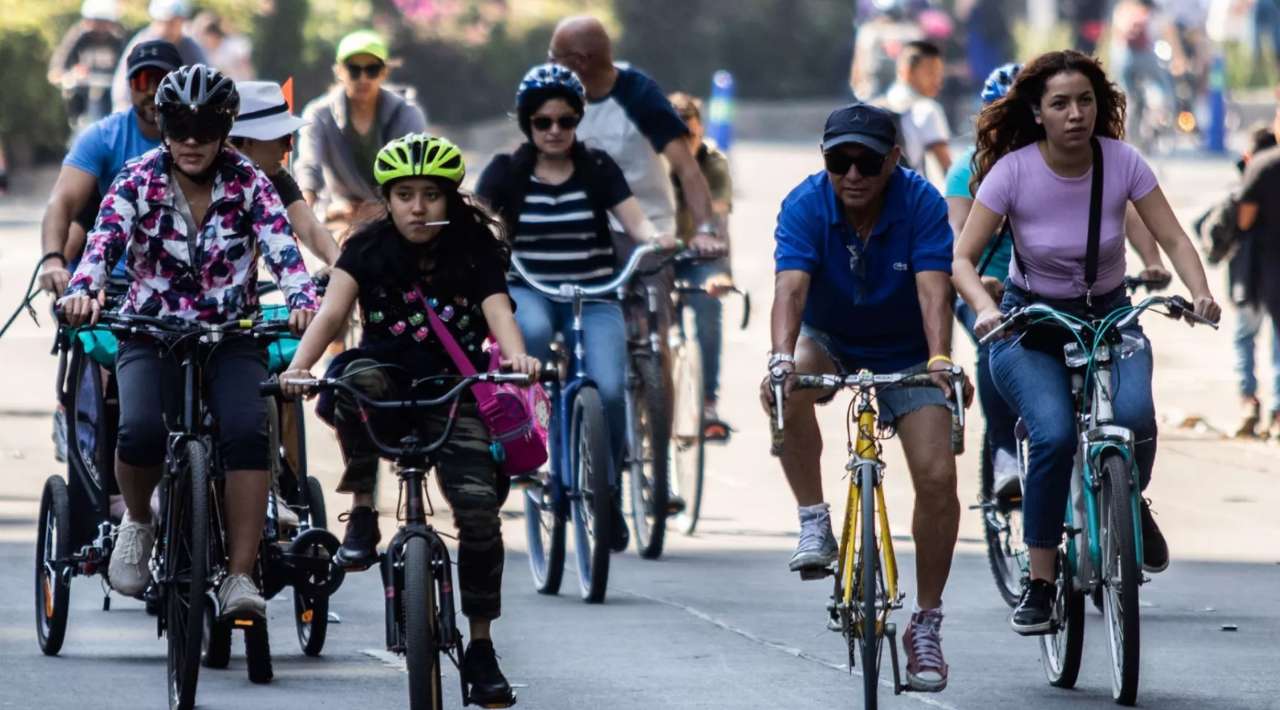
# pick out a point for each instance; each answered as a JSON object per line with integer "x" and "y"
{"x": 418, "y": 155}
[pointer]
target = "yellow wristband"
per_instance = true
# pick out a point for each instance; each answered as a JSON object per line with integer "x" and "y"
{"x": 939, "y": 358}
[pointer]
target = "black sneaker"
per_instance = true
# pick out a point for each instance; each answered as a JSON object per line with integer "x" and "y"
{"x": 1155, "y": 551}
{"x": 360, "y": 543}
{"x": 621, "y": 536}
{"x": 1034, "y": 613}
{"x": 487, "y": 687}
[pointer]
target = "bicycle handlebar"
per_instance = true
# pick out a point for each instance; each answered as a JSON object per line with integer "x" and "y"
{"x": 1179, "y": 309}
{"x": 568, "y": 292}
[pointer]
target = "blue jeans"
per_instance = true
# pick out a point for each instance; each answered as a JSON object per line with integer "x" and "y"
{"x": 1038, "y": 386}
{"x": 604, "y": 340}
{"x": 708, "y": 314}
{"x": 999, "y": 416}
{"x": 1252, "y": 317}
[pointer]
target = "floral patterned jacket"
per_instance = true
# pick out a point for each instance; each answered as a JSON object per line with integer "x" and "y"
{"x": 216, "y": 283}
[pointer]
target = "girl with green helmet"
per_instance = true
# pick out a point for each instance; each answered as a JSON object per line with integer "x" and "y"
{"x": 433, "y": 244}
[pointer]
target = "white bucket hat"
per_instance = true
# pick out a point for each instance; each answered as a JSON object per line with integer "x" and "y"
{"x": 165, "y": 10}
{"x": 100, "y": 10}
{"x": 264, "y": 114}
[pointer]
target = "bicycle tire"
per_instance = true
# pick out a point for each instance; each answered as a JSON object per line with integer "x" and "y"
{"x": 53, "y": 588}
{"x": 868, "y": 576}
{"x": 257, "y": 652}
{"x": 650, "y": 469}
{"x": 422, "y": 657}
{"x": 1120, "y": 606}
{"x": 311, "y": 612}
{"x": 592, "y": 506}
{"x": 187, "y": 552}
{"x": 215, "y": 648}
{"x": 545, "y": 532}
{"x": 1061, "y": 650}
{"x": 1002, "y": 532}
{"x": 688, "y": 440}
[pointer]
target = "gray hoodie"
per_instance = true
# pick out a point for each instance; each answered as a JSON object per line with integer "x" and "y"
{"x": 325, "y": 159}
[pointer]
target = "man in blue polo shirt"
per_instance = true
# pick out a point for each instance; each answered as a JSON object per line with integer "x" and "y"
{"x": 96, "y": 158}
{"x": 863, "y": 263}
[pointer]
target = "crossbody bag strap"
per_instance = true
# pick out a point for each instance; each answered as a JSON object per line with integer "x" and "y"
{"x": 482, "y": 390}
{"x": 1006, "y": 232}
{"x": 1095, "y": 223}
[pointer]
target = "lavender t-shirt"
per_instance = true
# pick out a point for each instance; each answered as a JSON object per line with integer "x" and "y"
{"x": 1050, "y": 216}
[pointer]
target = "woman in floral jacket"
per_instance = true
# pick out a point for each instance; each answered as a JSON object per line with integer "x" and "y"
{"x": 192, "y": 217}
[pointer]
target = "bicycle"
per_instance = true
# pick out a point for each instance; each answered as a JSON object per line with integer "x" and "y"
{"x": 417, "y": 573}
{"x": 866, "y": 568}
{"x": 1101, "y": 549}
{"x": 688, "y": 426}
{"x": 190, "y": 553}
{"x": 578, "y": 484}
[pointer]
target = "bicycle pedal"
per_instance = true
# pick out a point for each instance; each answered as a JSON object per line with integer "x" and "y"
{"x": 809, "y": 574}
{"x": 243, "y": 623}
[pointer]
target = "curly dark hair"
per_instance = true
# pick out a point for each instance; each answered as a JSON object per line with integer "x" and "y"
{"x": 473, "y": 239}
{"x": 1009, "y": 123}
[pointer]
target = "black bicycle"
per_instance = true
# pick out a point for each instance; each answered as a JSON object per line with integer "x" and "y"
{"x": 190, "y": 556}
{"x": 417, "y": 573}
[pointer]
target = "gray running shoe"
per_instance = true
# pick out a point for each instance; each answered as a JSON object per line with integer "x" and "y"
{"x": 128, "y": 572}
{"x": 817, "y": 548}
{"x": 238, "y": 598}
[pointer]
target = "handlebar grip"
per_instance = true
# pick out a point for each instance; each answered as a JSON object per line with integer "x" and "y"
{"x": 746, "y": 309}
{"x": 270, "y": 388}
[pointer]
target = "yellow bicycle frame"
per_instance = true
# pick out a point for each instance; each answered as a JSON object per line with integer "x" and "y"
{"x": 864, "y": 447}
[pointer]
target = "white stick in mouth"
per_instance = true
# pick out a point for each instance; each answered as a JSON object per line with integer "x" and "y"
{"x": 439, "y": 223}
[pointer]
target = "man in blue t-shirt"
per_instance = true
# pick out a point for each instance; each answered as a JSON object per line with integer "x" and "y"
{"x": 98, "y": 155}
{"x": 863, "y": 263}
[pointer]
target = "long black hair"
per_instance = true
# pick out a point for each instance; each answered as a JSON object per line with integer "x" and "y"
{"x": 473, "y": 240}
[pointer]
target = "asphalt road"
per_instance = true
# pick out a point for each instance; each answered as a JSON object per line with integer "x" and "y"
{"x": 718, "y": 622}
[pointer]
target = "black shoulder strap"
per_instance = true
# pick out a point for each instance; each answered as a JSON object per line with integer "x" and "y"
{"x": 1095, "y": 221}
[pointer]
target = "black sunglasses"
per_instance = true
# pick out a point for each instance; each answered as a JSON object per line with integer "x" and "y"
{"x": 183, "y": 125}
{"x": 566, "y": 123}
{"x": 241, "y": 141}
{"x": 868, "y": 164}
{"x": 373, "y": 71}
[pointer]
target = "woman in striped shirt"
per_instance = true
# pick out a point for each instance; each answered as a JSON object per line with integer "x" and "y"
{"x": 556, "y": 198}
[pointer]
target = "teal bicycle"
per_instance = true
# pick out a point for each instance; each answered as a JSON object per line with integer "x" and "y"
{"x": 1101, "y": 550}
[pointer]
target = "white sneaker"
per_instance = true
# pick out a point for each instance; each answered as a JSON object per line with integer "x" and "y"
{"x": 128, "y": 572}
{"x": 286, "y": 518}
{"x": 817, "y": 548}
{"x": 1007, "y": 481}
{"x": 238, "y": 598}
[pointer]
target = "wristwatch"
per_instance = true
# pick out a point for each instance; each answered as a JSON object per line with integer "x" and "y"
{"x": 776, "y": 362}
{"x": 709, "y": 229}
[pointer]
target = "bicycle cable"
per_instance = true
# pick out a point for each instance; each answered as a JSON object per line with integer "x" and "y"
{"x": 26, "y": 302}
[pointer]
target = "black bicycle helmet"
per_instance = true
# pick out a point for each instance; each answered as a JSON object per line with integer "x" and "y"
{"x": 197, "y": 100}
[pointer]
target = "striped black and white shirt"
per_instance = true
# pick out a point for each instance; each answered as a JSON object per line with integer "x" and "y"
{"x": 558, "y": 239}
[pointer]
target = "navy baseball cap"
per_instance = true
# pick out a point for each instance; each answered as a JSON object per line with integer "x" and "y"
{"x": 153, "y": 54}
{"x": 863, "y": 124}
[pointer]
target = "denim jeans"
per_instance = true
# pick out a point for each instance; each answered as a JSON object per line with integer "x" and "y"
{"x": 1038, "y": 386}
{"x": 708, "y": 315}
{"x": 604, "y": 340}
{"x": 999, "y": 416}
{"x": 1252, "y": 316}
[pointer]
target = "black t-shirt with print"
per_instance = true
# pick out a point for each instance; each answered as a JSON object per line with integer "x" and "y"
{"x": 395, "y": 326}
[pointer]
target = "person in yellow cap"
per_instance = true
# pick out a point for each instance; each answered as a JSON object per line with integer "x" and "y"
{"x": 347, "y": 126}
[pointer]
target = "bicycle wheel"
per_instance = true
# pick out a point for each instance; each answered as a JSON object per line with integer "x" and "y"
{"x": 868, "y": 575}
{"x": 1060, "y": 650}
{"x": 545, "y": 531}
{"x": 215, "y": 645}
{"x": 257, "y": 653}
{"x": 1002, "y": 529}
{"x": 53, "y": 548}
{"x": 650, "y": 466}
{"x": 186, "y": 574}
{"x": 592, "y": 506}
{"x": 311, "y": 612}
{"x": 688, "y": 439}
{"x": 422, "y": 659}
{"x": 1120, "y": 577}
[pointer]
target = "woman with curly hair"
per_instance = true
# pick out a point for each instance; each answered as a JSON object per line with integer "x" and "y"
{"x": 1038, "y": 148}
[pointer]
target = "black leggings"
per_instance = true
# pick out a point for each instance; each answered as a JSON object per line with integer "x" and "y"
{"x": 150, "y": 384}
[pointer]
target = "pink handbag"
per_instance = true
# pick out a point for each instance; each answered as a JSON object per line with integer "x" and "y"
{"x": 517, "y": 417}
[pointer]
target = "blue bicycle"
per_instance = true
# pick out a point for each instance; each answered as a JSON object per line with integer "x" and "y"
{"x": 579, "y": 486}
{"x": 1101, "y": 550}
